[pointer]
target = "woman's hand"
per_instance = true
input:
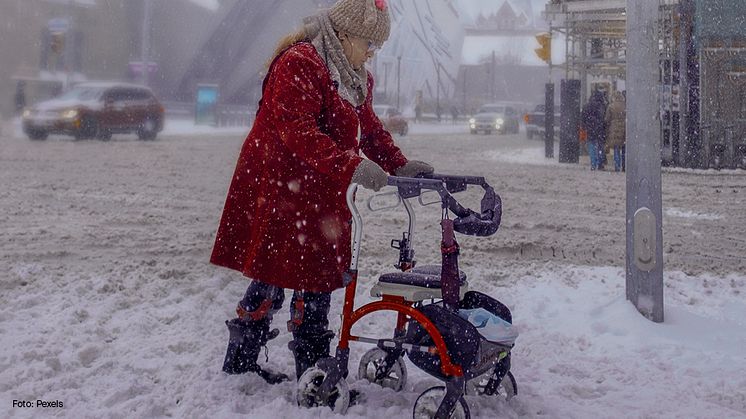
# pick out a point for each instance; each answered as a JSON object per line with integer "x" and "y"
{"x": 414, "y": 168}
{"x": 369, "y": 175}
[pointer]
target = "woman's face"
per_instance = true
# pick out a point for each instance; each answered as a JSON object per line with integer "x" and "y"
{"x": 357, "y": 50}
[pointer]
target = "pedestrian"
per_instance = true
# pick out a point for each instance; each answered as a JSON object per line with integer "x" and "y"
{"x": 20, "y": 97}
{"x": 286, "y": 223}
{"x": 616, "y": 120}
{"x": 454, "y": 114}
{"x": 592, "y": 121}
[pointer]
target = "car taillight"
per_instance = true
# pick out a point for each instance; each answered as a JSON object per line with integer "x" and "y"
{"x": 525, "y": 118}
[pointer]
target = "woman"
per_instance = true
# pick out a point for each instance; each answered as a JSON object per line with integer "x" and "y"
{"x": 616, "y": 120}
{"x": 286, "y": 223}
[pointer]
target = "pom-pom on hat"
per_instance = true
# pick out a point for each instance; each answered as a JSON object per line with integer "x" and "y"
{"x": 368, "y": 19}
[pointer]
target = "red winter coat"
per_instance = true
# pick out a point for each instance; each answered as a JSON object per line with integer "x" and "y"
{"x": 285, "y": 220}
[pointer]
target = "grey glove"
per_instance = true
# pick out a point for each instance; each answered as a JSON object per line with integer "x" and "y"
{"x": 414, "y": 168}
{"x": 370, "y": 176}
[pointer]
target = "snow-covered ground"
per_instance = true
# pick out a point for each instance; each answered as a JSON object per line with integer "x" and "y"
{"x": 108, "y": 304}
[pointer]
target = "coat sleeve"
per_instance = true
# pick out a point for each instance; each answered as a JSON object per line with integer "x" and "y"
{"x": 375, "y": 141}
{"x": 296, "y": 105}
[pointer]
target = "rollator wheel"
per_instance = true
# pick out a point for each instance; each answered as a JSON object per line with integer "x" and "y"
{"x": 508, "y": 387}
{"x": 308, "y": 385}
{"x": 427, "y": 405}
{"x": 372, "y": 368}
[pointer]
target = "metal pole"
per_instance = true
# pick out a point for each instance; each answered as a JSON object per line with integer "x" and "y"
{"x": 494, "y": 88}
{"x": 145, "y": 44}
{"x": 68, "y": 51}
{"x": 644, "y": 257}
{"x": 398, "y": 81}
{"x": 466, "y": 70}
{"x": 437, "y": 94}
{"x": 549, "y": 112}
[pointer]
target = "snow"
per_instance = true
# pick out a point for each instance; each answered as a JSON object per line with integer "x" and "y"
{"x": 108, "y": 304}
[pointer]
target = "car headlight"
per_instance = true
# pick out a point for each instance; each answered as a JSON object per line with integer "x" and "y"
{"x": 472, "y": 121}
{"x": 26, "y": 113}
{"x": 70, "y": 114}
{"x": 499, "y": 121}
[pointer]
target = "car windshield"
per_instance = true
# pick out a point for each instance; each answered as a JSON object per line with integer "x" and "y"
{"x": 82, "y": 93}
{"x": 492, "y": 109}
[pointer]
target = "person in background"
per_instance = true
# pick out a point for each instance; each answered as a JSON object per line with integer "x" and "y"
{"x": 286, "y": 223}
{"x": 616, "y": 120}
{"x": 592, "y": 122}
{"x": 20, "y": 97}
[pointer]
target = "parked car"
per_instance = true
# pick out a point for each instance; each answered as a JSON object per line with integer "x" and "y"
{"x": 96, "y": 110}
{"x": 535, "y": 123}
{"x": 495, "y": 117}
{"x": 392, "y": 119}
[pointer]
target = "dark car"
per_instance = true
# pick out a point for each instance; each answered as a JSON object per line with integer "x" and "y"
{"x": 392, "y": 119}
{"x": 96, "y": 110}
{"x": 495, "y": 117}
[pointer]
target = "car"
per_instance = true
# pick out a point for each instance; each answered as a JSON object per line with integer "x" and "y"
{"x": 535, "y": 122}
{"x": 392, "y": 119}
{"x": 495, "y": 117}
{"x": 96, "y": 110}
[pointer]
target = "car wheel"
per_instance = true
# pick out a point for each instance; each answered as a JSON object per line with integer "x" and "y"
{"x": 103, "y": 134}
{"x": 148, "y": 130}
{"x": 88, "y": 129}
{"x": 39, "y": 135}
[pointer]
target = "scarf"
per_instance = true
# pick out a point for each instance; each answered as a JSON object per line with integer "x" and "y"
{"x": 352, "y": 85}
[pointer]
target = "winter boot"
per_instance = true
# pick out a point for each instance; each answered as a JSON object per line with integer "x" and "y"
{"x": 244, "y": 344}
{"x": 308, "y": 350}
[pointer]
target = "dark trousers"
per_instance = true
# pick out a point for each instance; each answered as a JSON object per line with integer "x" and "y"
{"x": 309, "y": 319}
{"x": 313, "y": 313}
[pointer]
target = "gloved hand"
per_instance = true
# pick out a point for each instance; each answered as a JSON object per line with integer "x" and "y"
{"x": 369, "y": 175}
{"x": 414, "y": 168}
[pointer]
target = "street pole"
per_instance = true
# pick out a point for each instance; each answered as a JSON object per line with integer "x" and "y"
{"x": 398, "y": 82}
{"x": 145, "y": 44}
{"x": 466, "y": 70}
{"x": 68, "y": 51}
{"x": 437, "y": 94}
{"x": 386, "y": 80}
{"x": 493, "y": 76}
{"x": 549, "y": 112}
{"x": 644, "y": 241}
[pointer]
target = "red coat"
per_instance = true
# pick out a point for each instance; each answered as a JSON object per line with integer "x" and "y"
{"x": 285, "y": 220}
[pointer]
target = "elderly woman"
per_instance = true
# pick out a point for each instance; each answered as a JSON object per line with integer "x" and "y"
{"x": 286, "y": 223}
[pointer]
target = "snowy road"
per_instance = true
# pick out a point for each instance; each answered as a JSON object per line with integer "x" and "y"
{"x": 107, "y": 302}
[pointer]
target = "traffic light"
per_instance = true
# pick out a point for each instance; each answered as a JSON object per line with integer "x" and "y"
{"x": 545, "y": 52}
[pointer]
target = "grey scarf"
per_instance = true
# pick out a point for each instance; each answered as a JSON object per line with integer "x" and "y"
{"x": 352, "y": 85}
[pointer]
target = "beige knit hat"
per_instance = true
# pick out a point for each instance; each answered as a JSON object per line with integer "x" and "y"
{"x": 367, "y": 19}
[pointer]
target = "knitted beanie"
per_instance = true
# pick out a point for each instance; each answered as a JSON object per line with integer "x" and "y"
{"x": 368, "y": 19}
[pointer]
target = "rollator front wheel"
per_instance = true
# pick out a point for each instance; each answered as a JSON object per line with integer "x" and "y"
{"x": 307, "y": 392}
{"x": 373, "y": 368}
{"x": 427, "y": 405}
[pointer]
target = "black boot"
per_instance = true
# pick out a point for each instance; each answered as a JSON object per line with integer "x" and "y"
{"x": 244, "y": 344}
{"x": 309, "y": 349}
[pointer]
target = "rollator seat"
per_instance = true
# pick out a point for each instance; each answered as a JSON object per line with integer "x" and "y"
{"x": 420, "y": 283}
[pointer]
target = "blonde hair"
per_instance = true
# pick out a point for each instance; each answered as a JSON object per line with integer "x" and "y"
{"x": 285, "y": 42}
